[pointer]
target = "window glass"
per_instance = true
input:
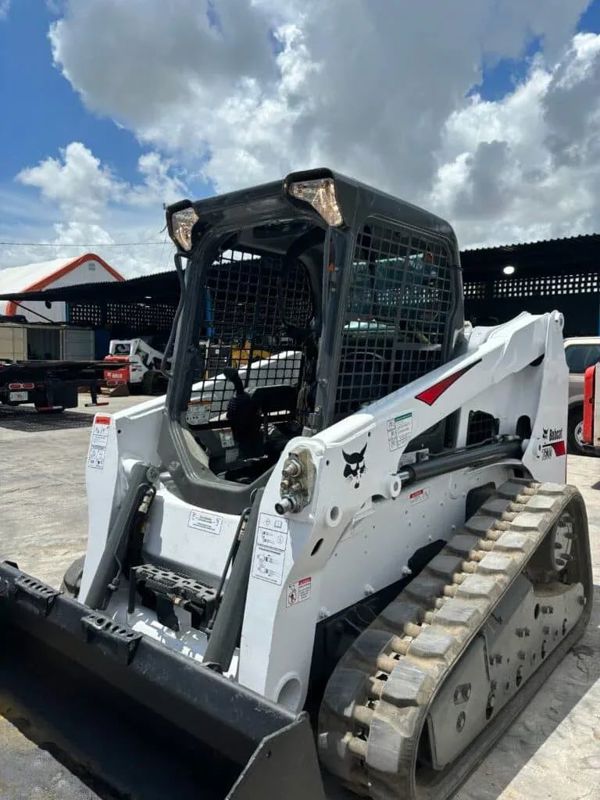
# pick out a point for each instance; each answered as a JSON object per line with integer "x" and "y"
{"x": 581, "y": 356}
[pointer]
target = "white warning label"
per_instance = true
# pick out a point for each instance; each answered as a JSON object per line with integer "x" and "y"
{"x": 418, "y": 496}
{"x": 268, "y": 564}
{"x": 96, "y": 457}
{"x": 198, "y": 413}
{"x": 273, "y": 522}
{"x": 203, "y": 521}
{"x": 98, "y": 442}
{"x": 399, "y": 431}
{"x": 298, "y": 592}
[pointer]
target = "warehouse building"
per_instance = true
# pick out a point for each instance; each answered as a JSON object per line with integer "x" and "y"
{"x": 500, "y": 282}
{"x": 563, "y": 274}
{"x": 49, "y": 275}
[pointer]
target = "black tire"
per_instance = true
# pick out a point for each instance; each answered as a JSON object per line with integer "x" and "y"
{"x": 153, "y": 383}
{"x": 148, "y": 382}
{"x": 71, "y": 582}
{"x": 573, "y": 444}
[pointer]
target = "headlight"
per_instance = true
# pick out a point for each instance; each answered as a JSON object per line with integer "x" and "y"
{"x": 320, "y": 194}
{"x": 181, "y": 226}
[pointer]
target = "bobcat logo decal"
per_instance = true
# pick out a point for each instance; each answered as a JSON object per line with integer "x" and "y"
{"x": 355, "y": 465}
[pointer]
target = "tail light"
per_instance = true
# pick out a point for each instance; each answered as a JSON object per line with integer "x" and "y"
{"x": 591, "y": 406}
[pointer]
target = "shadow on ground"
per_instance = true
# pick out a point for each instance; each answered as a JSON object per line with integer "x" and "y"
{"x": 28, "y": 420}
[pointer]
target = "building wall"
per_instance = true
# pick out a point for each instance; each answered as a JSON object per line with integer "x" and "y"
{"x": 88, "y": 272}
{"x": 558, "y": 274}
{"x": 581, "y": 312}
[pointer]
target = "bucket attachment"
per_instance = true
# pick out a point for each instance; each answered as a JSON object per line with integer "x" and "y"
{"x": 135, "y": 719}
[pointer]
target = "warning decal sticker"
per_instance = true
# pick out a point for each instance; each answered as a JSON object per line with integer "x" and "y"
{"x": 98, "y": 442}
{"x": 203, "y": 521}
{"x": 272, "y": 532}
{"x": 268, "y": 564}
{"x": 298, "y": 592}
{"x": 399, "y": 431}
{"x": 418, "y": 496}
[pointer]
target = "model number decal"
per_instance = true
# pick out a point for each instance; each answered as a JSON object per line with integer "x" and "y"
{"x": 553, "y": 444}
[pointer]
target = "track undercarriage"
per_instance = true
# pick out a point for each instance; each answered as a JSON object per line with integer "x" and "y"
{"x": 423, "y": 692}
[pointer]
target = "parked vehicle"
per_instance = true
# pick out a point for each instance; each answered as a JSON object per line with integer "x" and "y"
{"x": 48, "y": 385}
{"x": 581, "y": 352}
{"x": 135, "y": 363}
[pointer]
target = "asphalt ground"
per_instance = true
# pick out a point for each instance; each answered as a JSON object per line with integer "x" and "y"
{"x": 551, "y": 752}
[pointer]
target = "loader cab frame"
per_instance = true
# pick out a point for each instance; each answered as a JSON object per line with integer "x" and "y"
{"x": 323, "y": 295}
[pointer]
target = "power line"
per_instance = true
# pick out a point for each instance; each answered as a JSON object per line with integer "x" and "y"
{"x": 80, "y": 244}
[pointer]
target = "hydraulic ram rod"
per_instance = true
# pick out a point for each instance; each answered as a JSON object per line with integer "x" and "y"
{"x": 438, "y": 465}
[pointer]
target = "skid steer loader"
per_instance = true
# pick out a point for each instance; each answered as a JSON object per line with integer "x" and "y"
{"x": 339, "y": 568}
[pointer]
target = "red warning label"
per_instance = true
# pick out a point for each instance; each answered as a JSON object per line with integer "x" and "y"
{"x": 299, "y": 591}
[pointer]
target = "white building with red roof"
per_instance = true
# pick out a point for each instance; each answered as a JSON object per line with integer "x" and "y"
{"x": 86, "y": 268}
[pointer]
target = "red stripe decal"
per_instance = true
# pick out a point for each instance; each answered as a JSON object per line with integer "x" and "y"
{"x": 102, "y": 420}
{"x": 559, "y": 448}
{"x": 430, "y": 395}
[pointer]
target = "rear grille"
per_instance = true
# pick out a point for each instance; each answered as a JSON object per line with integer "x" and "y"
{"x": 482, "y": 427}
{"x": 397, "y": 316}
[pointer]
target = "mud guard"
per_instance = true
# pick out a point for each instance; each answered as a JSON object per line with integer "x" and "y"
{"x": 131, "y": 716}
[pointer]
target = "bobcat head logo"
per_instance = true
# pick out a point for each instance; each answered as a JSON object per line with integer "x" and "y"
{"x": 355, "y": 466}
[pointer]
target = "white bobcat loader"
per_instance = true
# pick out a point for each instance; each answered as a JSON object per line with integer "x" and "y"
{"x": 339, "y": 569}
{"x": 134, "y": 363}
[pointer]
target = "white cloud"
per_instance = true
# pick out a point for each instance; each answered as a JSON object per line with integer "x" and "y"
{"x": 77, "y": 182}
{"x": 528, "y": 166}
{"x": 4, "y": 9}
{"x": 244, "y": 91}
{"x": 84, "y": 204}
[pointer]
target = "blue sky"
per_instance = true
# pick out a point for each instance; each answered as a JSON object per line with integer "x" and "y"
{"x": 45, "y": 111}
{"x": 502, "y": 76}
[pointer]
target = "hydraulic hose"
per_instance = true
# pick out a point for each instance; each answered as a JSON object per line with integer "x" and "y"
{"x": 228, "y": 622}
{"x": 140, "y": 482}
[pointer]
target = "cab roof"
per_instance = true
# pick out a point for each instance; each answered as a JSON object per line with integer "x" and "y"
{"x": 357, "y": 201}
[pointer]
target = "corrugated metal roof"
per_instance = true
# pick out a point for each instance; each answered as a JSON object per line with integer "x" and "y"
{"x": 158, "y": 287}
{"x": 17, "y": 279}
{"x": 580, "y": 237}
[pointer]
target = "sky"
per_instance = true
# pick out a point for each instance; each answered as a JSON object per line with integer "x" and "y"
{"x": 486, "y": 112}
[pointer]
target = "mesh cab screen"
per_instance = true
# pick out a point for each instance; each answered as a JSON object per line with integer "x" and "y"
{"x": 255, "y": 311}
{"x": 397, "y": 315}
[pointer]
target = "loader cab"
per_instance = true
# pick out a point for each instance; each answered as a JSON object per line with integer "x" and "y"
{"x": 304, "y": 300}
